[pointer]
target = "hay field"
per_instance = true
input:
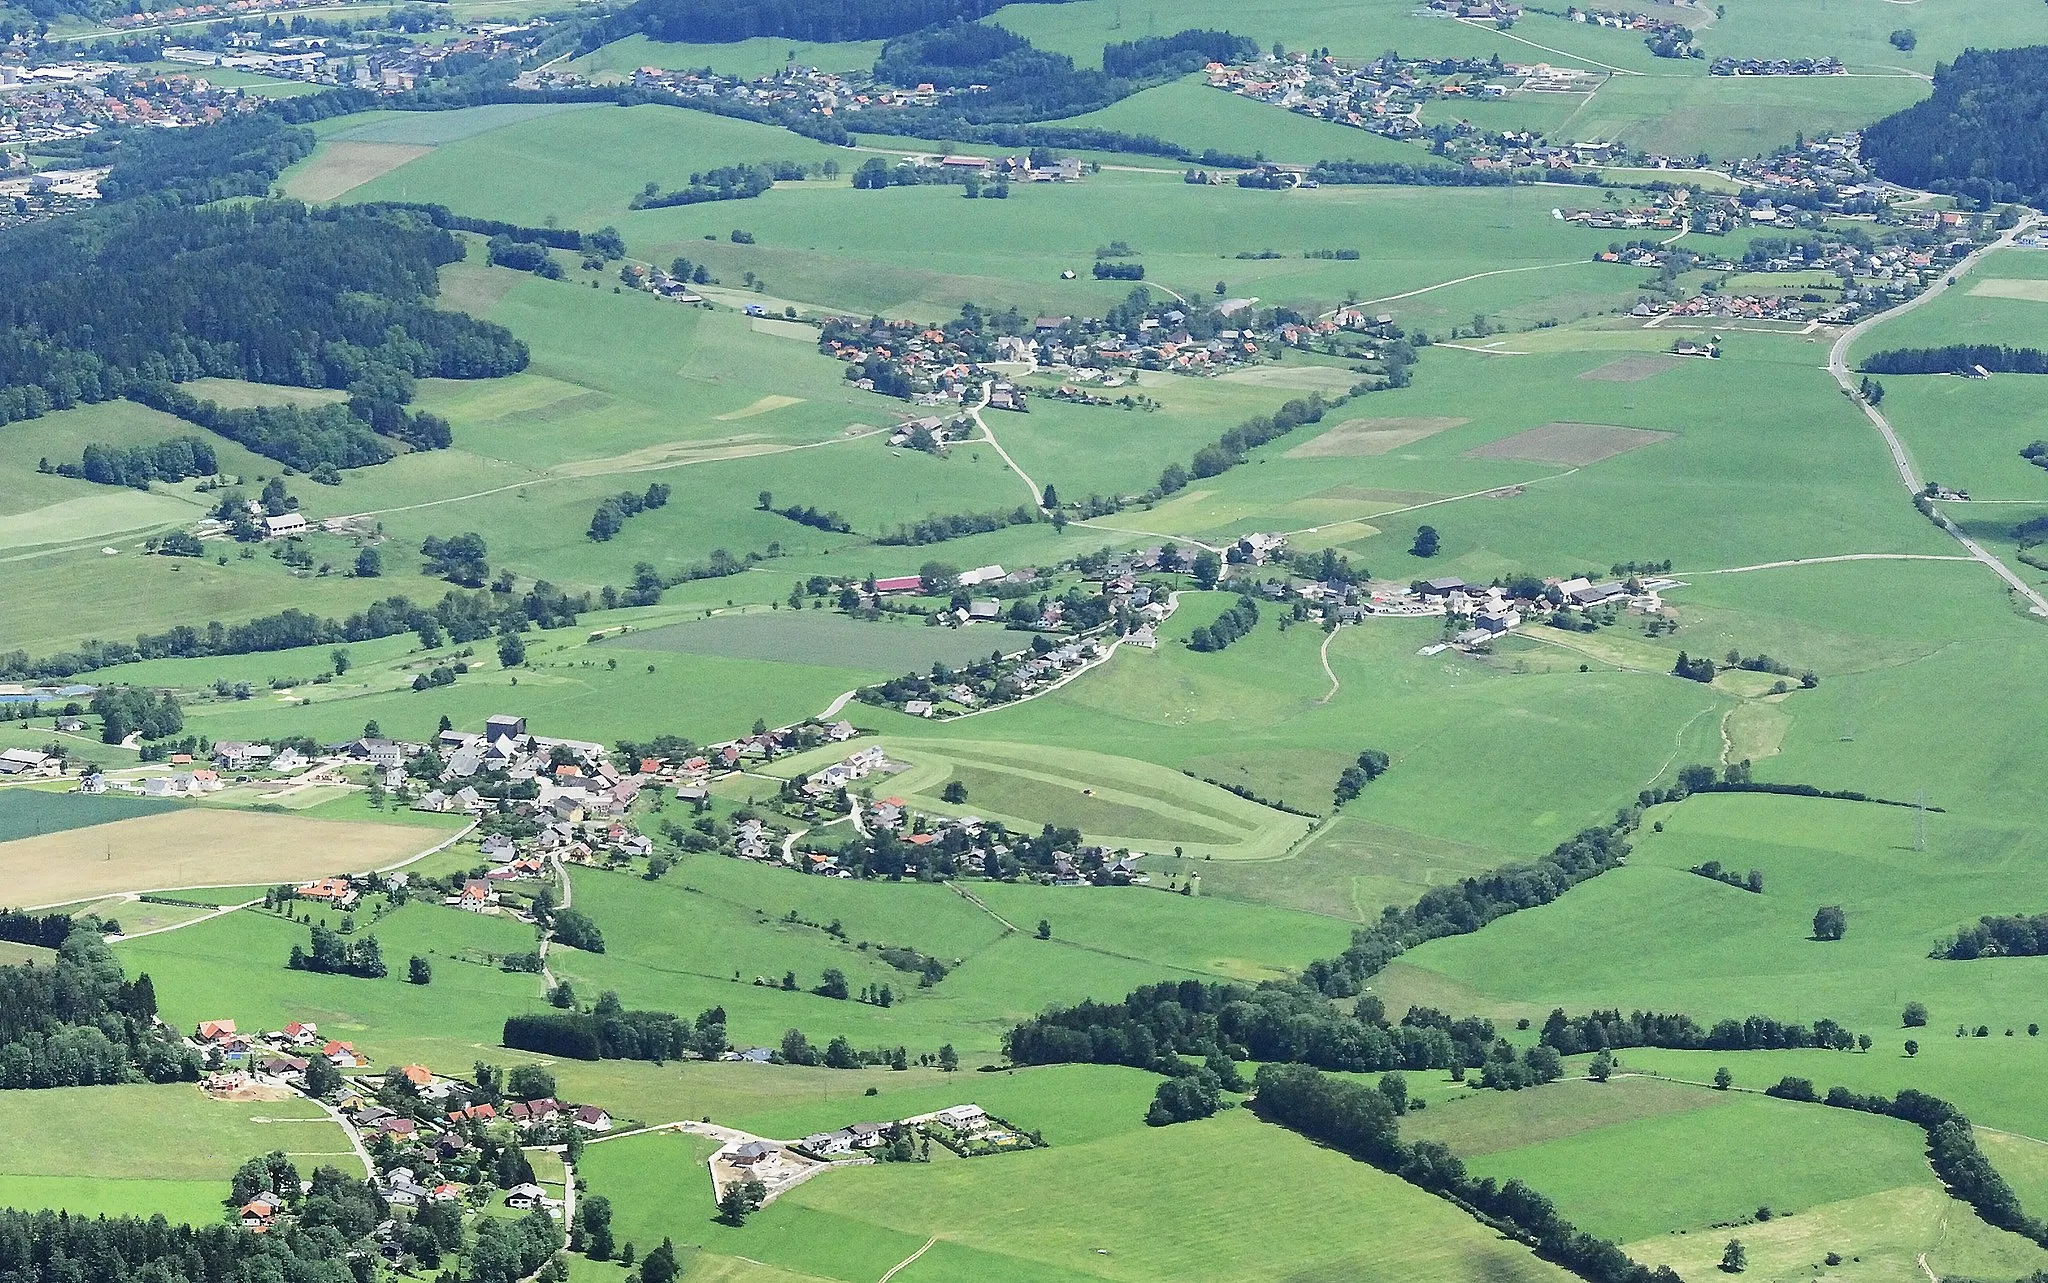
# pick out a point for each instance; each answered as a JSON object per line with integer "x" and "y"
{"x": 1364, "y": 437}
{"x": 195, "y": 846}
{"x": 1632, "y": 369}
{"x": 2031, "y": 291}
{"x": 1576, "y": 444}
{"x": 340, "y": 167}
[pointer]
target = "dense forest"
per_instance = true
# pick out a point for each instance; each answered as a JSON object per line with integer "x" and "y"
{"x": 80, "y": 1023}
{"x": 1982, "y": 134}
{"x": 1957, "y": 358}
{"x": 236, "y": 157}
{"x": 51, "y": 1247}
{"x": 608, "y": 1032}
{"x": 107, "y": 303}
{"x": 825, "y": 21}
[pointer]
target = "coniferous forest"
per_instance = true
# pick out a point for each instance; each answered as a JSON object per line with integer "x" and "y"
{"x": 148, "y": 292}
{"x": 1983, "y": 133}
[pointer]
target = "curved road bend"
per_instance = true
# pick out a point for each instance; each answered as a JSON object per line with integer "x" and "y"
{"x": 1838, "y": 366}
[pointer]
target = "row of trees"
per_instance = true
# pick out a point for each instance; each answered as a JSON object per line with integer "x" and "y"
{"x": 606, "y": 1032}
{"x": 613, "y": 510}
{"x": 1601, "y": 1030}
{"x": 1361, "y": 1121}
{"x": 1153, "y": 1027}
{"x": 1371, "y": 764}
{"x": 1958, "y": 358}
{"x": 1235, "y": 622}
{"x": 1231, "y": 449}
{"x": 1471, "y": 903}
{"x": 458, "y": 616}
{"x": 728, "y": 182}
{"x": 172, "y": 459}
{"x": 2008, "y": 936}
{"x": 954, "y": 525}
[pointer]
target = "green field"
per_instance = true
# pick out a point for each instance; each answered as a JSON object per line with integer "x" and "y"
{"x": 27, "y": 812}
{"x": 1031, "y": 1217}
{"x": 144, "y": 1149}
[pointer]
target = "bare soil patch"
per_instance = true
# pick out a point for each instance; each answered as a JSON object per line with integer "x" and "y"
{"x": 1633, "y": 369}
{"x": 1576, "y": 444}
{"x": 197, "y": 846}
{"x": 1356, "y": 437}
{"x": 764, "y": 405}
{"x": 343, "y": 167}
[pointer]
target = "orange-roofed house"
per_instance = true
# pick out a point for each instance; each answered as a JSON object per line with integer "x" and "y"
{"x": 417, "y": 1075}
{"x": 215, "y": 1030}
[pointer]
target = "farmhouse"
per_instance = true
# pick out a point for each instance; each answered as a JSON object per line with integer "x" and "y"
{"x": 284, "y": 525}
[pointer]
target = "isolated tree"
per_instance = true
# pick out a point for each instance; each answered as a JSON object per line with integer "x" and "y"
{"x": 530, "y": 1082}
{"x": 321, "y": 1076}
{"x": 1044, "y": 929}
{"x": 594, "y": 1227}
{"x": 369, "y": 564}
{"x": 1912, "y": 1047}
{"x": 1723, "y": 1080}
{"x": 1207, "y": 567}
{"x": 1914, "y": 1016}
{"x": 419, "y": 971}
{"x": 1426, "y": 543}
{"x": 949, "y": 1060}
{"x": 1830, "y": 923}
{"x": 511, "y": 650}
{"x": 339, "y": 658}
{"x": 1602, "y": 1067}
{"x": 1734, "y": 1260}
{"x": 832, "y": 984}
{"x": 1052, "y": 497}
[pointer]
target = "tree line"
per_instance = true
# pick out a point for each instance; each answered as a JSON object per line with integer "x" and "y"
{"x": 1951, "y": 1148}
{"x": 52, "y": 1247}
{"x": 823, "y": 21}
{"x": 1471, "y": 903}
{"x": 173, "y": 459}
{"x": 1231, "y": 449}
{"x": 460, "y": 616}
{"x": 1235, "y": 622}
{"x": 2006, "y": 936}
{"x": 727, "y": 182}
{"x": 43, "y": 930}
{"x": 1153, "y": 1027}
{"x": 79, "y": 1022}
{"x": 940, "y": 527}
{"x": 1958, "y": 358}
{"x": 612, "y": 510}
{"x": 302, "y": 437}
{"x": 1602, "y": 1030}
{"x": 605, "y": 1032}
{"x": 1361, "y": 1122}
{"x": 1371, "y": 764}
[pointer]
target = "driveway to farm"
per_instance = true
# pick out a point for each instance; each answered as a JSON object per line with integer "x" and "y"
{"x": 1838, "y": 366}
{"x": 1029, "y": 484}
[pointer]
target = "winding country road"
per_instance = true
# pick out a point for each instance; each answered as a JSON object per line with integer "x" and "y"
{"x": 1838, "y": 366}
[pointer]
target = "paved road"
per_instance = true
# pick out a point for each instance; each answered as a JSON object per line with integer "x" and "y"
{"x": 1838, "y": 366}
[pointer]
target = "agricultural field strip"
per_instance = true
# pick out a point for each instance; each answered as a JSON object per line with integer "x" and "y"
{"x": 558, "y": 474}
{"x": 1838, "y": 368}
{"x": 210, "y": 886}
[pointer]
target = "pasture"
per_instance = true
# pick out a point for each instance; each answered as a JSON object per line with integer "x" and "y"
{"x": 195, "y": 846}
{"x": 828, "y": 640}
{"x": 856, "y": 1224}
{"x": 141, "y": 1150}
{"x": 33, "y": 812}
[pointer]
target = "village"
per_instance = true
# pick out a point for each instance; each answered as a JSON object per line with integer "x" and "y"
{"x": 430, "y": 1141}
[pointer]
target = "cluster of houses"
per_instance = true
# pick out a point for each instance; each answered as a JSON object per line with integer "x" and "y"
{"x": 958, "y": 1121}
{"x": 1777, "y": 67}
{"x": 275, "y": 1057}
